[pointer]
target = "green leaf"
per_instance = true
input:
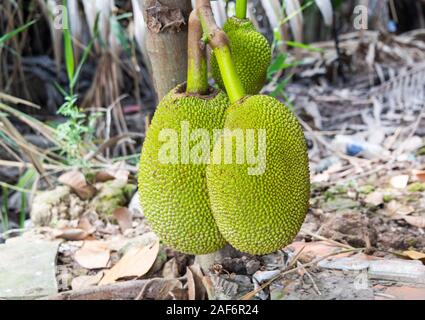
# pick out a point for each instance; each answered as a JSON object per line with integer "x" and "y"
{"x": 277, "y": 65}
{"x": 69, "y": 51}
{"x": 300, "y": 45}
{"x": 13, "y": 33}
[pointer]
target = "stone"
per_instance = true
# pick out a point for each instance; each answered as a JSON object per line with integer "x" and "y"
{"x": 28, "y": 268}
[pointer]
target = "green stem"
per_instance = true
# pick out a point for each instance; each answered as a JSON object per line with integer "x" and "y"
{"x": 5, "y": 209}
{"x": 241, "y": 7}
{"x": 22, "y": 210}
{"x": 230, "y": 77}
{"x": 217, "y": 39}
{"x": 197, "y": 72}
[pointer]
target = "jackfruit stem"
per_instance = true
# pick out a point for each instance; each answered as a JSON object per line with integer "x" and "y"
{"x": 197, "y": 73}
{"x": 241, "y": 8}
{"x": 219, "y": 42}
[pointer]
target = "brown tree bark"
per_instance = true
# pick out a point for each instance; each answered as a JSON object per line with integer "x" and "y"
{"x": 166, "y": 41}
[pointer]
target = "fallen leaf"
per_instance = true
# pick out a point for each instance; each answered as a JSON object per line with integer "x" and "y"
{"x": 116, "y": 171}
{"x": 83, "y": 282}
{"x": 77, "y": 182}
{"x": 200, "y": 291}
{"x": 416, "y": 221}
{"x": 163, "y": 289}
{"x": 420, "y": 175}
{"x": 124, "y": 218}
{"x": 93, "y": 255}
{"x": 396, "y": 210}
{"x": 73, "y": 234}
{"x": 190, "y": 283}
{"x": 399, "y": 182}
{"x": 171, "y": 269}
{"x": 375, "y": 198}
{"x": 85, "y": 225}
{"x": 414, "y": 255}
{"x": 134, "y": 264}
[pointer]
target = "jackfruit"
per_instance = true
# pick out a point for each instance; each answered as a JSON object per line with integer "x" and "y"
{"x": 260, "y": 195}
{"x": 251, "y": 54}
{"x": 172, "y": 183}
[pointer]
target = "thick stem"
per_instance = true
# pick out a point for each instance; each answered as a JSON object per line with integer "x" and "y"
{"x": 166, "y": 41}
{"x": 241, "y": 7}
{"x": 197, "y": 74}
{"x": 217, "y": 39}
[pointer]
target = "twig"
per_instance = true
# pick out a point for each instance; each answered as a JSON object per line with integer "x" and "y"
{"x": 311, "y": 278}
{"x": 311, "y": 234}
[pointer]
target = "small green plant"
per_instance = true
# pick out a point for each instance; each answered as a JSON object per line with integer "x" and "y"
{"x": 11, "y": 34}
{"x": 78, "y": 123}
{"x": 25, "y": 181}
{"x": 4, "y": 208}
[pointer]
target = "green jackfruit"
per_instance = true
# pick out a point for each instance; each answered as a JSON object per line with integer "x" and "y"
{"x": 259, "y": 205}
{"x": 173, "y": 188}
{"x": 251, "y": 54}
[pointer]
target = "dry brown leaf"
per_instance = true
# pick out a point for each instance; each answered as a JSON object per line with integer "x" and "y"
{"x": 171, "y": 269}
{"x": 124, "y": 218}
{"x": 73, "y": 234}
{"x": 197, "y": 277}
{"x": 116, "y": 171}
{"x": 191, "y": 288}
{"x": 93, "y": 255}
{"x": 163, "y": 289}
{"x": 134, "y": 264}
{"x": 396, "y": 210}
{"x": 85, "y": 225}
{"x": 416, "y": 221}
{"x": 399, "y": 182}
{"x": 83, "y": 282}
{"x": 77, "y": 182}
{"x": 208, "y": 285}
{"x": 375, "y": 198}
{"x": 294, "y": 12}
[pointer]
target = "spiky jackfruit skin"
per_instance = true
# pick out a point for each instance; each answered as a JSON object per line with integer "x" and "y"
{"x": 251, "y": 55}
{"x": 174, "y": 197}
{"x": 260, "y": 214}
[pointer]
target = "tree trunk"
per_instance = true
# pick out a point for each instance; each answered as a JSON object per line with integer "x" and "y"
{"x": 166, "y": 41}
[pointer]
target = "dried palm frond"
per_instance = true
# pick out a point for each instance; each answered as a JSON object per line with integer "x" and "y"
{"x": 104, "y": 8}
{"x": 49, "y": 9}
{"x": 12, "y": 18}
{"x": 325, "y": 7}
{"x": 293, "y": 9}
{"x": 405, "y": 92}
{"x": 219, "y": 10}
{"x": 273, "y": 12}
{"x": 77, "y": 26}
{"x": 139, "y": 28}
